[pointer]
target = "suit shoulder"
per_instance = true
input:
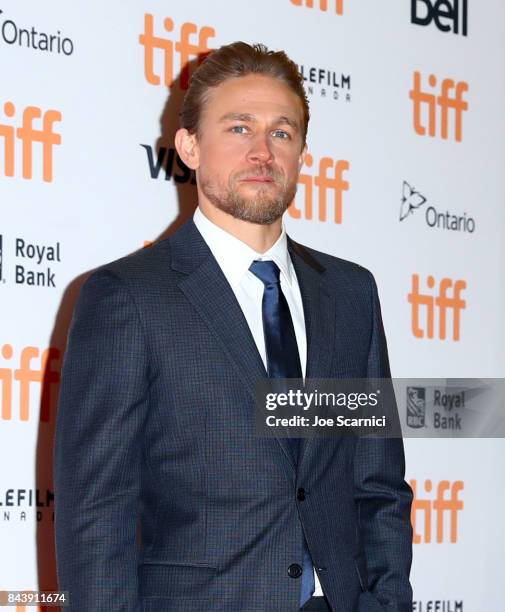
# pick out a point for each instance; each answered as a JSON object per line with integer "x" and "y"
{"x": 144, "y": 263}
{"x": 334, "y": 265}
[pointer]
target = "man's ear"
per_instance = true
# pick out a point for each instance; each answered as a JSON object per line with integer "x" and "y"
{"x": 187, "y": 147}
{"x": 302, "y": 157}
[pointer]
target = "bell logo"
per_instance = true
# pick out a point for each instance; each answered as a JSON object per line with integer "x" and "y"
{"x": 443, "y": 12}
{"x": 323, "y": 5}
{"x": 442, "y": 302}
{"x": 27, "y": 134}
{"x": 446, "y": 501}
{"x": 183, "y": 47}
{"x": 445, "y": 102}
{"x": 45, "y": 374}
{"x": 330, "y": 177}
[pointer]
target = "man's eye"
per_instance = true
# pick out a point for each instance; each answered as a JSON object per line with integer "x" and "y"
{"x": 239, "y": 129}
{"x": 281, "y": 134}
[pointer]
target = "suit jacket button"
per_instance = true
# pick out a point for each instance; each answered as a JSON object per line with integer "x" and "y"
{"x": 294, "y": 570}
{"x": 300, "y": 494}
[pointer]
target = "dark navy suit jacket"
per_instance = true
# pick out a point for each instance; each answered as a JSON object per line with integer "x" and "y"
{"x": 155, "y": 438}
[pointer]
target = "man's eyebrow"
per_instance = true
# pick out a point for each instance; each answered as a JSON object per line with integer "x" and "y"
{"x": 288, "y": 121}
{"x": 281, "y": 120}
{"x": 237, "y": 117}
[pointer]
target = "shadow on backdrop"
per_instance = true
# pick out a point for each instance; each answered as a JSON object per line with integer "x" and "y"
{"x": 162, "y": 163}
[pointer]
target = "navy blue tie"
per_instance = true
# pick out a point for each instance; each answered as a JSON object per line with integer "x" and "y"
{"x": 283, "y": 361}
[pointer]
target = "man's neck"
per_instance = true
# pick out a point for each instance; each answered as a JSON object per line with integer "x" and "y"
{"x": 258, "y": 237}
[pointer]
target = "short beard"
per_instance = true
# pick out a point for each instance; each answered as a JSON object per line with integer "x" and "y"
{"x": 262, "y": 209}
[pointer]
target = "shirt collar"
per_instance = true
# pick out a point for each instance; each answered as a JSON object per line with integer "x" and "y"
{"x": 234, "y": 256}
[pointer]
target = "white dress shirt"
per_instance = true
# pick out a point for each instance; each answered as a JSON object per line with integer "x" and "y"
{"x": 234, "y": 258}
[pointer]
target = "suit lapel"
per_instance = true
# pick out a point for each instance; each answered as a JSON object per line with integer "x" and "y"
{"x": 209, "y": 292}
{"x": 319, "y": 313}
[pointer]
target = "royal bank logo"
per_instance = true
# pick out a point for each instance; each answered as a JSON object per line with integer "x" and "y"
{"x": 416, "y": 407}
{"x": 436, "y": 408}
{"x": 30, "y": 264}
{"x": 412, "y": 200}
{"x": 326, "y": 83}
{"x": 447, "y": 15}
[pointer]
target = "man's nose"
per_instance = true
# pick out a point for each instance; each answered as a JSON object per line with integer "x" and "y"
{"x": 260, "y": 151}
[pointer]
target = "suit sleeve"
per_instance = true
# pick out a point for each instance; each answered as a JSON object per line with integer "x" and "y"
{"x": 98, "y": 446}
{"x": 383, "y": 497}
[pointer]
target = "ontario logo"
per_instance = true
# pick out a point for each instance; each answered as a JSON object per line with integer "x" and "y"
{"x": 412, "y": 200}
{"x": 12, "y": 33}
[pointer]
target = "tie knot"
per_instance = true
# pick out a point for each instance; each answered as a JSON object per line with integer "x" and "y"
{"x": 267, "y": 271}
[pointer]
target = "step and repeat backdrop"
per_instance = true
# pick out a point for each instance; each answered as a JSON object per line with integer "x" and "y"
{"x": 403, "y": 174}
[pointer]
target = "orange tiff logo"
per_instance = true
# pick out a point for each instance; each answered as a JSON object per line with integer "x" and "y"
{"x": 441, "y": 302}
{"x": 330, "y": 177}
{"x": 449, "y": 102}
{"x": 323, "y": 5}
{"x": 28, "y": 135}
{"x": 46, "y": 373}
{"x": 183, "y": 47}
{"x": 445, "y": 502}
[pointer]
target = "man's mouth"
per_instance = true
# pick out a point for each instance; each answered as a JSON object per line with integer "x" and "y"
{"x": 257, "y": 179}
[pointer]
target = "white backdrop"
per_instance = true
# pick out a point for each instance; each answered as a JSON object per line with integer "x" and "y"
{"x": 88, "y": 196}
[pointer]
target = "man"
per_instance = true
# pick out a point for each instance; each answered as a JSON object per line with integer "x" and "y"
{"x": 155, "y": 424}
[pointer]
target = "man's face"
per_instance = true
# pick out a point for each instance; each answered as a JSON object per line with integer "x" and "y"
{"x": 250, "y": 148}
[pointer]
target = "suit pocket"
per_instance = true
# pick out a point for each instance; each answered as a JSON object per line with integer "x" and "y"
{"x": 360, "y": 564}
{"x": 176, "y": 580}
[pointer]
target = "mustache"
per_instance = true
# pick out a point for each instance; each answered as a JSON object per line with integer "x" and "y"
{"x": 263, "y": 171}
